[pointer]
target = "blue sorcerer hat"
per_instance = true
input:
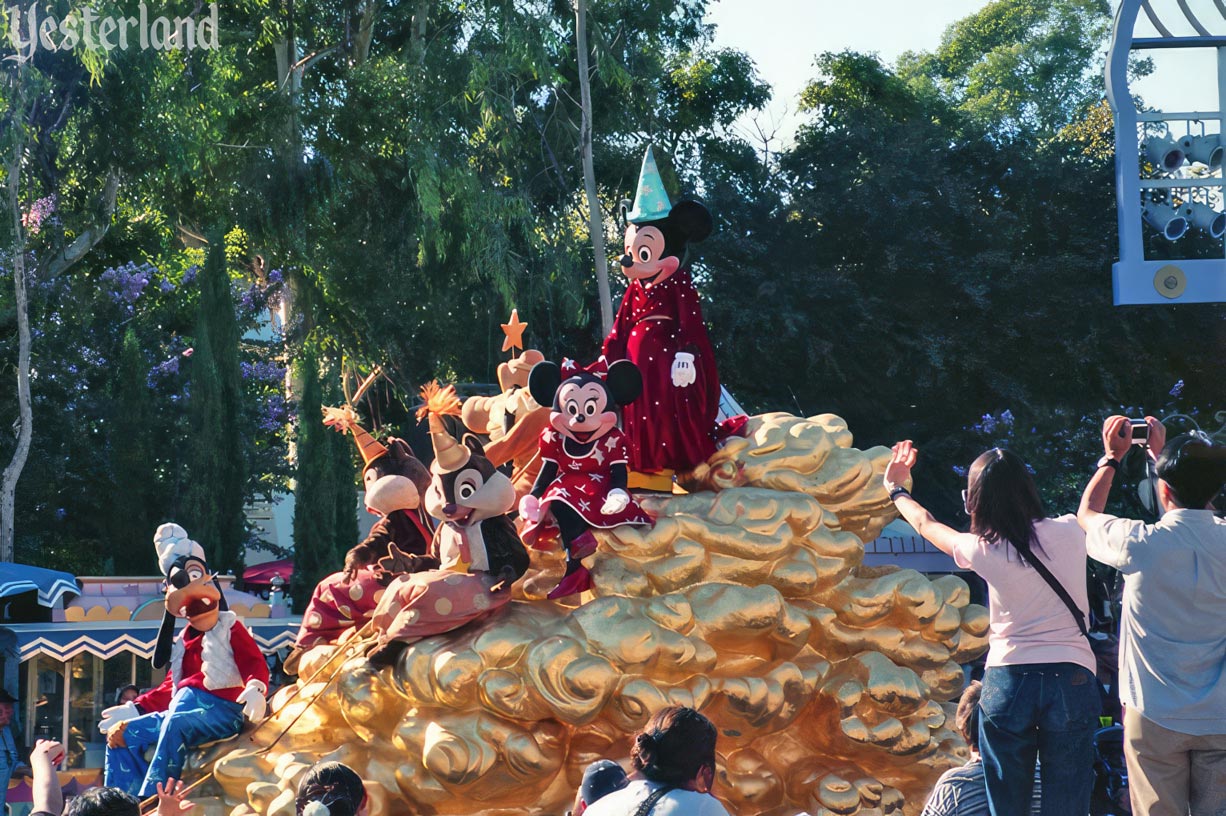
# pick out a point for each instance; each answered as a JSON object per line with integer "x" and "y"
{"x": 650, "y": 200}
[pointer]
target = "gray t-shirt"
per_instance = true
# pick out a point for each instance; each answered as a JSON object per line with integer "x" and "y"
{"x": 1173, "y": 633}
{"x": 674, "y": 803}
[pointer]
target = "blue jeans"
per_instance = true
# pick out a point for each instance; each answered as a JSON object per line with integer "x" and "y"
{"x": 194, "y": 718}
{"x": 1048, "y": 709}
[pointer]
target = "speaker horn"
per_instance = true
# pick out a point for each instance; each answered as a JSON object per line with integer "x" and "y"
{"x": 1204, "y": 149}
{"x": 1206, "y": 219}
{"x": 1164, "y": 153}
{"x": 1166, "y": 219}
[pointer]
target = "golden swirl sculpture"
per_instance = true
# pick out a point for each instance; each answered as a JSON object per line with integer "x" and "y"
{"x": 747, "y": 600}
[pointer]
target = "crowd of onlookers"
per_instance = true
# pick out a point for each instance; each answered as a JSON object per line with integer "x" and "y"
{"x": 1041, "y": 696}
{"x": 1031, "y": 724}
{"x": 673, "y": 762}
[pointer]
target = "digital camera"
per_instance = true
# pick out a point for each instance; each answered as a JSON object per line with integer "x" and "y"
{"x": 1140, "y": 431}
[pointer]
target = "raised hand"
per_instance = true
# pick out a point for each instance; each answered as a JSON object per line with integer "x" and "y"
{"x": 898, "y": 471}
{"x": 170, "y": 799}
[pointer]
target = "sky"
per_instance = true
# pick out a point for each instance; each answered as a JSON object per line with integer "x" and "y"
{"x": 783, "y": 37}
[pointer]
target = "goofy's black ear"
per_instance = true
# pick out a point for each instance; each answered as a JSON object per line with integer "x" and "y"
{"x": 693, "y": 219}
{"x": 166, "y": 638}
{"x": 473, "y": 443}
{"x": 543, "y": 382}
{"x": 624, "y": 381}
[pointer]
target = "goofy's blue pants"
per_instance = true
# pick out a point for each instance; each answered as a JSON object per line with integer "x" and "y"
{"x": 195, "y": 717}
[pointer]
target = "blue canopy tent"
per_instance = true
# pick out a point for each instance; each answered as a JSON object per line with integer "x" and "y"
{"x": 51, "y": 585}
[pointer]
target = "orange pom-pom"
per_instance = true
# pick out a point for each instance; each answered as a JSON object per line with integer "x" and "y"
{"x": 340, "y": 419}
{"x": 438, "y": 401}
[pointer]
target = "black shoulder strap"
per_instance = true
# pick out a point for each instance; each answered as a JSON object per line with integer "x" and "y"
{"x": 649, "y": 804}
{"x": 1056, "y": 586}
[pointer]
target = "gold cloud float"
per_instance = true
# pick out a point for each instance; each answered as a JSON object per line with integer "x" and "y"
{"x": 747, "y": 600}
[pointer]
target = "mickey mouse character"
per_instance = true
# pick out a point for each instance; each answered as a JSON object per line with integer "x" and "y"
{"x": 217, "y": 676}
{"x": 659, "y": 327}
{"x": 584, "y": 457}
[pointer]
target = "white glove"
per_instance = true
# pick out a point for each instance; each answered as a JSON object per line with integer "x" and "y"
{"x": 252, "y": 700}
{"x": 117, "y": 714}
{"x": 616, "y": 502}
{"x": 684, "y": 373}
{"x": 530, "y": 508}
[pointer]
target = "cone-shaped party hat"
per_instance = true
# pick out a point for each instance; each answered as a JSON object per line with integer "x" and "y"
{"x": 650, "y": 200}
{"x": 344, "y": 419}
{"x": 449, "y": 454}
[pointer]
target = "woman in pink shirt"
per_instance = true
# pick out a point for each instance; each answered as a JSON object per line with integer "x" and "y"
{"x": 1040, "y": 696}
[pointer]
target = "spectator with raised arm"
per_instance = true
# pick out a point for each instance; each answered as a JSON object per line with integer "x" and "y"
{"x": 1039, "y": 691}
{"x": 1173, "y": 637}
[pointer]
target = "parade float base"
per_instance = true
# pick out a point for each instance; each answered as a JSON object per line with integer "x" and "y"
{"x": 828, "y": 681}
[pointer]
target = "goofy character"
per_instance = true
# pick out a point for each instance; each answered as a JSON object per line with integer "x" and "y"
{"x": 217, "y": 676}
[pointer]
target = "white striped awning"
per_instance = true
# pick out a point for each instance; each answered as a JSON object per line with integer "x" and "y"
{"x": 106, "y": 639}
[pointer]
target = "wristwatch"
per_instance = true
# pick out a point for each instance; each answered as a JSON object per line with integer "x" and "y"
{"x": 1107, "y": 461}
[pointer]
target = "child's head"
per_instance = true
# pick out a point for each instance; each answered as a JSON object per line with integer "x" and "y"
{"x": 103, "y": 802}
{"x": 331, "y": 789}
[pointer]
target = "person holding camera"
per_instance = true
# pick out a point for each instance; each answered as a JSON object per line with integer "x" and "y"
{"x": 1173, "y": 637}
{"x": 1039, "y": 696}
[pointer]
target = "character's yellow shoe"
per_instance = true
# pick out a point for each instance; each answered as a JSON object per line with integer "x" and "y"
{"x": 661, "y": 482}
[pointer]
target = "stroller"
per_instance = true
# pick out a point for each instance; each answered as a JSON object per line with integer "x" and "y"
{"x": 1110, "y": 796}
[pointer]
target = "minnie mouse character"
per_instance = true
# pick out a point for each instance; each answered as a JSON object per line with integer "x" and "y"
{"x": 659, "y": 328}
{"x": 584, "y": 457}
{"x": 217, "y": 676}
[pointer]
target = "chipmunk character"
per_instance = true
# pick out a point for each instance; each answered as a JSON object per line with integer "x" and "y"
{"x": 584, "y": 456}
{"x": 395, "y": 482}
{"x": 659, "y": 327}
{"x": 476, "y": 554}
{"x": 217, "y": 676}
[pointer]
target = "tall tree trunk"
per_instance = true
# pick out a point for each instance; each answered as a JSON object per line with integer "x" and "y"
{"x": 595, "y": 221}
{"x": 8, "y": 489}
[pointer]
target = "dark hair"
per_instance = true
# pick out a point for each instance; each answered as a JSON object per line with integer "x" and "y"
{"x": 1193, "y": 468}
{"x": 967, "y": 717}
{"x": 674, "y": 746}
{"x": 119, "y": 694}
{"x": 335, "y": 786}
{"x": 103, "y": 802}
{"x": 600, "y": 779}
{"x": 1002, "y": 500}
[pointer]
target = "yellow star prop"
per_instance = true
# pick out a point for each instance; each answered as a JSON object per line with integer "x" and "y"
{"x": 514, "y": 332}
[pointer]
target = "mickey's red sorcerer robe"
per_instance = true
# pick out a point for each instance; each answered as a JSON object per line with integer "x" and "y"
{"x": 670, "y": 428}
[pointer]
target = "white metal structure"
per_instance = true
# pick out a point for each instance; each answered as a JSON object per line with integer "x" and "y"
{"x": 1165, "y": 192}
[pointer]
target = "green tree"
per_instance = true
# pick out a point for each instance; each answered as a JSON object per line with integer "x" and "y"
{"x": 130, "y": 524}
{"x": 214, "y": 498}
{"x": 325, "y": 525}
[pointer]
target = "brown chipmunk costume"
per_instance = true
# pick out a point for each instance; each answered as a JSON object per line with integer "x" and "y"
{"x": 395, "y": 482}
{"x": 475, "y": 555}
